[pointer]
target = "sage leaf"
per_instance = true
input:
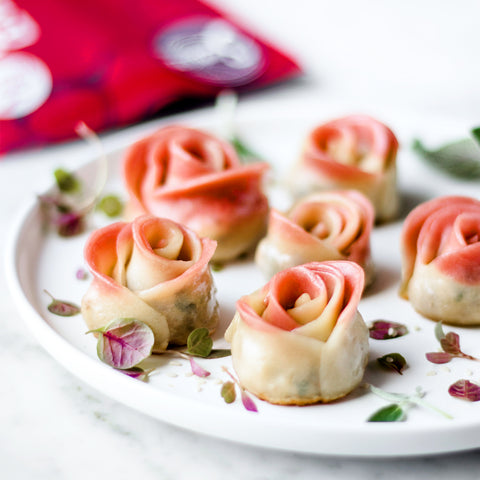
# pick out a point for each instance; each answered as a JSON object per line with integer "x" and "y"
{"x": 390, "y": 413}
{"x": 460, "y": 159}
{"x": 199, "y": 342}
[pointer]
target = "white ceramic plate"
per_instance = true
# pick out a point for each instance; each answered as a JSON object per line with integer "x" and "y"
{"x": 39, "y": 261}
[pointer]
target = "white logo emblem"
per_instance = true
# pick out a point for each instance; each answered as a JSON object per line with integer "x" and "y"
{"x": 210, "y": 49}
{"x": 25, "y": 80}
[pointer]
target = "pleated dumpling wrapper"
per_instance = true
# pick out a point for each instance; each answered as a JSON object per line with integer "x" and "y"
{"x": 441, "y": 260}
{"x": 354, "y": 152}
{"x": 333, "y": 225}
{"x": 197, "y": 179}
{"x": 153, "y": 270}
{"x": 300, "y": 339}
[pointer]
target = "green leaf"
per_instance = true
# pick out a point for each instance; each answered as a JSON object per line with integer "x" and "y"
{"x": 390, "y": 413}
{"x": 244, "y": 152}
{"x": 393, "y": 361}
{"x": 228, "y": 392}
{"x": 67, "y": 182}
{"x": 110, "y": 205}
{"x": 219, "y": 353}
{"x": 124, "y": 343}
{"x": 476, "y": 134}
{"x": 460, "y": 159}
{"x": 199, "y": 342}
{"x": 62, "y": 307}
{"x": 439, "y": 333}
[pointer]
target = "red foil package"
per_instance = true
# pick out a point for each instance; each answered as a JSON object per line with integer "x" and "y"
{"x": 111, "y": 63}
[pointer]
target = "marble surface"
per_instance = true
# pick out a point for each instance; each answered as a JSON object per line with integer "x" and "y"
{"x": 421, "y": 57}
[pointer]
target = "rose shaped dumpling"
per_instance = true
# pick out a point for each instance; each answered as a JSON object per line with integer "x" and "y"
{"x": 153, "y": 270}
{"x": 441, "y": 259}
{"x": 300, "y": 338}
{"x": 334, "y": 225}
{"x": 354, "y": 152}
{"x": 196, "y": 179}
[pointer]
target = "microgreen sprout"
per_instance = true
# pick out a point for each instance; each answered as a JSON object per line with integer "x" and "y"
{"x": 66, "y": 209}
{"x": 226, "y": 107}
{"x": 465, "y": 390}
{"x": 199, "y": 344}
{"x": 230, "y": 396}
{"x": 81, "y": 274}
{"x": 124, "y": 343}
{"x": 196, "y": 368}
{"x": 67, "y": 182}
{"x": 400, "y": 404}
{"x": 110, "y": 205}
{"x": 450, "y": 344}
{"x": 61, "y": 307}
{"x": 393, "y": 361}
{"x": 384, "y": 330}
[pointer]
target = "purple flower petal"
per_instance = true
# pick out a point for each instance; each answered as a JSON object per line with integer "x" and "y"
{"x": 197, "y": 369}
{"x": 438, "y": 357}
{"x": 248, "y": 403}
{"x": 135, "y": 372}
{"x": 81, "y": 274}
{"x": 465, "y": 390}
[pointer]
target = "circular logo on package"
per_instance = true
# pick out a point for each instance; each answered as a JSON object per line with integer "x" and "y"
{"x": 17, "y": 28}
{"x": 211, "y": 50}
{"x": 25, "y": 84}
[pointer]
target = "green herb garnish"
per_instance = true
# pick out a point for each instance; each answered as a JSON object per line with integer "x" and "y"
{"x": 110, "y": 205}
{"x": 67, "y": 182}
{"x": 460, "y": 159}
{"x": 61, "y": 307}
{"x": 400, "y": 404}
{"x": 393, "y": 361}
